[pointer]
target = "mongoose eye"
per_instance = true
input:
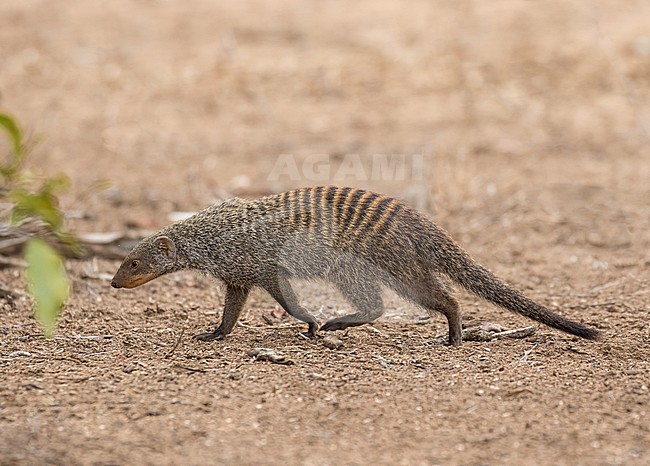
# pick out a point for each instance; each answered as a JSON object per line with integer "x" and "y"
{"x": 134, "y": 264}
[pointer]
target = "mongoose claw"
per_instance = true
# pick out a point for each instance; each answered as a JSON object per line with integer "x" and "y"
{"x": 211, "y": 336}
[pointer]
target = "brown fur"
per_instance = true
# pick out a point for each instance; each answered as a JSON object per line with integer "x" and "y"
{"x": 355, "y": 239}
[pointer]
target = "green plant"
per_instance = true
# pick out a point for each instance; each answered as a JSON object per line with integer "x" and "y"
{"x": 48, "y": 283}
{"x": 36, "y": 200}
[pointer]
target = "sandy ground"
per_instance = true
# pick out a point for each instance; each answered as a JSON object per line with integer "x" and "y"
{"x": 525, "y": 131}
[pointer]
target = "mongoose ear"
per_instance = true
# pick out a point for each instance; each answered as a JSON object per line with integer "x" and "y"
{"x": 166, "y": 246}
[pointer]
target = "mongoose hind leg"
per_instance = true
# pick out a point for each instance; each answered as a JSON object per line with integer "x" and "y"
{"x": 435, "y": 295}
{"x": 234, "y": 303}
{"x": 283, "y": 293}
{"x": 366, "y": 298}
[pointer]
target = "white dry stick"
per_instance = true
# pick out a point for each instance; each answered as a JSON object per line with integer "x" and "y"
{"x": 526, "y": 353}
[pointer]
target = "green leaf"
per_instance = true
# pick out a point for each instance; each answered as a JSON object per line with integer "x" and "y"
{"x": 8, "y": 169}
{"x": 41, "y": 205}
{"x": 47, "y": 283}
{"x": 9, "y": 124}
{"x": 56, "y": 183}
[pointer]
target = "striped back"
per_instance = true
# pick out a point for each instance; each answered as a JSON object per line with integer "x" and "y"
{"x": 341, "y": 214}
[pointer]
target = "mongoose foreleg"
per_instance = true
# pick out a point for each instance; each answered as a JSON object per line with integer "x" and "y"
{"x": 234, "y": 303}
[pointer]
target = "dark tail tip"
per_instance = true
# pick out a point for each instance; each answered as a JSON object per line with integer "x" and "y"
{"x": 583, "y": 331}
{"x": 594, "y": 335}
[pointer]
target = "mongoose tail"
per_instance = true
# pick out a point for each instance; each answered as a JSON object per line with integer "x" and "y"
{"x": 480, "y": 281}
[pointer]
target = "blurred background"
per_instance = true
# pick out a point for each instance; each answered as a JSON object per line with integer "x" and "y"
{"x": 180, "y": 103}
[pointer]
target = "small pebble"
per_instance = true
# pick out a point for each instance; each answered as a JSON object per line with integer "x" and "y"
{"x": 333, "y": 343}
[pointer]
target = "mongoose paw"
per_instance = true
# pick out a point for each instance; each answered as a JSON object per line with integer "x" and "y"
{"x": 454, "y": 342}
{"x": 312, "y": 332}
{"x": 211, "y": 336}
{"x": 334, "y": 324}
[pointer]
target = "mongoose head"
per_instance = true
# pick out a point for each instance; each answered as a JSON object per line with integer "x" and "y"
{"x": 152, "y": 257}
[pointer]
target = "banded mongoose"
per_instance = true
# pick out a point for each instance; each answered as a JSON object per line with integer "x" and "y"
{"x": 355, "y": 239}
